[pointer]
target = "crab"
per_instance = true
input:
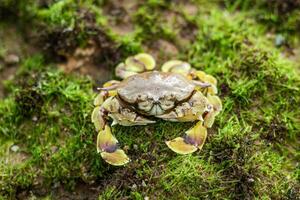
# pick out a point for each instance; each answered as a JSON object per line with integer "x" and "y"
{"x": 177, "y": 93}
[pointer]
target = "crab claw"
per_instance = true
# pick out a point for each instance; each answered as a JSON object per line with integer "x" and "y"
{"x": 107, "y": 146}
{"x": 180, "y": 146}
{"x": 193, "y": 140}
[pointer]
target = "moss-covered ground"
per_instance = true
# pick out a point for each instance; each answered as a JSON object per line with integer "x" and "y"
{"x": 67, "y": 48}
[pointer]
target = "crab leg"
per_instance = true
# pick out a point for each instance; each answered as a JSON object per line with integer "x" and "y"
{"x": 107, "y": 144}
{"x": 135, "y": 64}
{"x": 177, "y": 66}
{"x": 217, "y": 107}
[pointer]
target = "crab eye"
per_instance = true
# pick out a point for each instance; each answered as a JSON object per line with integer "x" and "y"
{"x": 169, "y": 97}
{"x": 141, "y": 97}
{"x": 209, "y": 107}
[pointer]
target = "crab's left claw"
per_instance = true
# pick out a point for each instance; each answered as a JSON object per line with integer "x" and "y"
{"x": 107, "y": 146}
{"x": 191, "y": 141}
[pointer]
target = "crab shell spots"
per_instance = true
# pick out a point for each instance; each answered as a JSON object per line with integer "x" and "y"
{"x": 155, "y": 85}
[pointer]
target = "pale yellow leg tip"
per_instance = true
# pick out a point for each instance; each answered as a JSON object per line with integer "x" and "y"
{"x": 178, "y": 145}
{"x": 176, "y": 66}
{"x": 117, "y": 158}
{"x": 147, "y": 60}
{"x": 97, "y": 119}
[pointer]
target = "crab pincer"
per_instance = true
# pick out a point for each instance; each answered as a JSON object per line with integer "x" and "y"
{"x": 107, "y": 146}
{"x": 195, "y": 137}
{"x": 193, "y": 140}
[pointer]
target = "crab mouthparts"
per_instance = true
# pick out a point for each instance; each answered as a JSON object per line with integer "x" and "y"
{"x": 156, "y": 110}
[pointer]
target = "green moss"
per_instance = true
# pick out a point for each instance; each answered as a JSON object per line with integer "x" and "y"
{"x": 190, "y": 177}
{"x": 59, "y": 14}
{"x": 55, "y": 110}
{"x": 281, "y": 16}
{"x": 151, "y": 24}
{"x": 251, "y": 151}
{"x": 109, "y": 193}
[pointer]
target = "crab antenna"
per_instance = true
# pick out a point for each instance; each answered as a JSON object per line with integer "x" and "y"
{"x": 201, "y": 84}
{"x": 112, "y": 87}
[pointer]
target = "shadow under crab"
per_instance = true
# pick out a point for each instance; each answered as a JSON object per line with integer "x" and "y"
{"x": 178, "y": 93}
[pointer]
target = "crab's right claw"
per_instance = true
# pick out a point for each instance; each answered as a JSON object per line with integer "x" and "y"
{"x": 193, "y": 140}
{"x": 107, "y": 146}
{"x": 180, "y": 146}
